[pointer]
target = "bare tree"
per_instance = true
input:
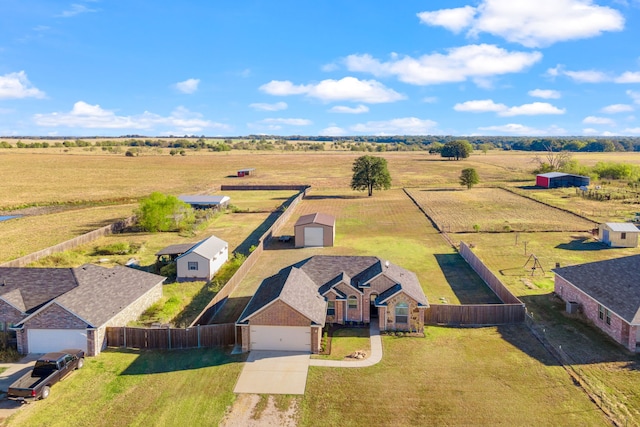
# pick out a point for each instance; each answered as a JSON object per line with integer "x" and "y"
{"x": 552, "y": 160}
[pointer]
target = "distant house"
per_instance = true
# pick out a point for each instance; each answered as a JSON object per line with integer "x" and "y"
{"x": 55, "y": 308}
{"x": 206, "y": 202}
{"x": 315, "y": 229}
{"x": 202, "y": 260}
{"x": 619, "y": 234}
{"x": 559, "y": 179}
{"x": 608, "y": 294}
{"x": 245, "y": 172}
{"x": 289, "y": 309}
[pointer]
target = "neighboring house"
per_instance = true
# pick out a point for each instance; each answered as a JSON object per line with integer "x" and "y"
{"x": 608, "y": 294}
{"x": 559, "y": 179}
{"x": 316, "y": 229}
{"x": 203, "y": 260}
{"x": 55, "y": 308}
{"x": 245, "y": 172}
{"x": 619, "y": 234}
{"x": 289, "y": 309}
{"x": 206, "y": 202}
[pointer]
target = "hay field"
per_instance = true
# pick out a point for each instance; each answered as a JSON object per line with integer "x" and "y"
{"x": 493, "y": 210}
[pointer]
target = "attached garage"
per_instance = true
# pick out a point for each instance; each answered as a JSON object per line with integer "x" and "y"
{"x": 49, "y": 340}
{"x": 282, "y": 338}
{"x": 315, "y": 230}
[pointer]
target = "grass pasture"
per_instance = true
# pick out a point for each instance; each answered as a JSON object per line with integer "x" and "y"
{"x": 493, "y": 210}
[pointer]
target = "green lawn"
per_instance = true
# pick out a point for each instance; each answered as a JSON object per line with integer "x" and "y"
{"x": 177, "y": 388}
{"x": 485, "y": 376}
{"x": 346, "y": 341}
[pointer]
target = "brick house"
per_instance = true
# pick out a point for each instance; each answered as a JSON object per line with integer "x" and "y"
{"x": 55, "y": 308}
{"x": 608, "y": 294}
{"x": 290, "y": 308}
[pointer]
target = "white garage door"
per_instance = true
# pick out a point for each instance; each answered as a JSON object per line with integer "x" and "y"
{"x": 313, "y": 236}
{"x": 283, "y": 338}
{"x": 48, "y": 340}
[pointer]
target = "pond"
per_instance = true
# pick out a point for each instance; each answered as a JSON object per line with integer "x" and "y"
{"x": 6, "y": 217}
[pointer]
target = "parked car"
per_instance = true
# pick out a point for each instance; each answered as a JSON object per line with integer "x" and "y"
{"x": 48, "y": 370}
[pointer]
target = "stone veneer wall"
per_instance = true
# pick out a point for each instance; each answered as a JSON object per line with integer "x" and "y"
{"x": 415, "y": 320}
{"x": 619, "y": 329}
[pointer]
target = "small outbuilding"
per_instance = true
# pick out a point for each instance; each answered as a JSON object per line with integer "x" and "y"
{"x": 619, "y": 234}
{"x": 206, "y": 202}
{"x": 203, "y": 260}
{"x": 315, "y": 230}
{"x": 245, "y": 172}
{"x": 559, "y": 179}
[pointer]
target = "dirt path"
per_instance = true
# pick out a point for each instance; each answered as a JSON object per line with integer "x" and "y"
{"x": 250, "y": 410}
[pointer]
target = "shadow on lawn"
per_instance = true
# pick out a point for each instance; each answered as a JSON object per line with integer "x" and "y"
{"x": 157, "y": 362}
{"x": 324, "y": 197}
{"x": 464, "y": 282}
{"x": 583, "y": 244}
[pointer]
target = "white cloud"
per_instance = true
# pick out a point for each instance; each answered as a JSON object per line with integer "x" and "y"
{"x": 88, "y": 116}
{"x": 545, "y": 93}
{"x": 278, "y": 106}
{"x": 452, "y": 19}
{"x": 289, "y": 122}
{"x": 587, "y": 76}
{"x": 631, "y": 131}
{"x": 188, "y": 86}
{"x": 593, "y": 120}
{"x": 518, "y": 129}
{"x": 430, "y": 99}
{"x": 76, "y": 9}
{"x": 590, "y": 131}
{"x": 532, "y": 24}
{"x": 628, "y": 77}
{"x": 345, "y": 89}
{"x": 634, "y": 95}
{"x": 488, "y": 105}
{"x": 533, "y": 109}
{"x": 17, "y": 86}
{"x": 401, "y": 126}
{"x": 480, "y": 106}
{"x": 333, "y": 131}
{"x": 350, "y": 110}
{"x": 457, "y": 65}
{"x": 617, "y": 108}
{"x": 330, "y": 67}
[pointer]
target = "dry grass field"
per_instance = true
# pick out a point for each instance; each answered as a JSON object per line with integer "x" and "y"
{"x": 493, "y": 210}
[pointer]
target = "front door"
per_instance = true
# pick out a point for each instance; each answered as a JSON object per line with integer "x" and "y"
{"x": 373, "y": 310}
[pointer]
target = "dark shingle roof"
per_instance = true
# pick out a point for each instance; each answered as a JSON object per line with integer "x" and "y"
{"x": 302, "y": 284}
{"x": 176, "y": 249}
{"x": 27, "y": 289}
{"x": 613, "y": 283}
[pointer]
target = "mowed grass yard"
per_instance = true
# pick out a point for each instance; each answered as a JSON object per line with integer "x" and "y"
{"x": 129, "y": 388}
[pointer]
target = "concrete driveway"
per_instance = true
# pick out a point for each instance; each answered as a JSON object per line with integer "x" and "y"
{"x": 13, "y": 372}
{"x": 274, "y": 372}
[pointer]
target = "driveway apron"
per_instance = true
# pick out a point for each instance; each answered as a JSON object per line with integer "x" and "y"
{"x": 274, "y": 372}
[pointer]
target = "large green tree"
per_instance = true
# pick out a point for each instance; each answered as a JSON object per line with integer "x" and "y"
{"x": 370, "y": 173}
{"x": 163, "y": 212}
{"x": 459, "y": 149}
{"x": 469, "y": 177}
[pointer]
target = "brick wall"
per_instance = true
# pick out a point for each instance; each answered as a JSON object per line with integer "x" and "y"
{"x": 9, "y": 315}
{"x": 316, "y": 336}
{"x": 618, "y": 329}
{"x": 279, "y": 314}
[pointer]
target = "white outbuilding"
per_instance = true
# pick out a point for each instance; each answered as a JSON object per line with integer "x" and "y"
{"x": 203, "y": 260}
{"x": 619, "y": 234}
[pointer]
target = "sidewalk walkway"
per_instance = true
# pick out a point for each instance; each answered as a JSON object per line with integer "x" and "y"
{"x": 375, "y": 357}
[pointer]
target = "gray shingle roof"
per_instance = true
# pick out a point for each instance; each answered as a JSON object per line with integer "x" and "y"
{"x": 208, "y": 247}
{"x": 301, "y": 285}
{"x": 104, "y": 292}
{"x": 613, "y": 283}
{"x": 175, "y": 249}
{"x": 28, "y": 289}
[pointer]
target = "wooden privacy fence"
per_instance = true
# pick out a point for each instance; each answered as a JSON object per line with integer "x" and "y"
{"x": 214, "y": 306}
{"x": 172, "y": 338}
{"x": 474, "y": 314}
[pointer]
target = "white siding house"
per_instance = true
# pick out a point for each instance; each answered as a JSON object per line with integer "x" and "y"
{"x": 619, "y": 234}
{"x": 203, "y": 260}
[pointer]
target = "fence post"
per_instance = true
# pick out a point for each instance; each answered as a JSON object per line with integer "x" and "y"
{"x": 198, "y": 329}
{"x": 169, "y": 336}
{"x": 125, "y": 336}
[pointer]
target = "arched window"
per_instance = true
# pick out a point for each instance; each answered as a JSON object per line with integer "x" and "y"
{"x": 402, "y": 312}
{"x": 352, "y": 301}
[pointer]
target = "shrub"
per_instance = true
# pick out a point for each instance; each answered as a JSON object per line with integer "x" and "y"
{"x": 119, "y": 248}
{"x": 169, "y": 270}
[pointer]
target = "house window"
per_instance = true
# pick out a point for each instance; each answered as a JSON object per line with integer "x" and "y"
{"x": 192, "y": 265}
{"x": 600, "y": 312}
{"x": 623, "y": 236}
{"x": 402, "y": 312}
{"x": 607, "y": 316}
{"x": 331, "y": 308}
{"x": 353, "y": 302}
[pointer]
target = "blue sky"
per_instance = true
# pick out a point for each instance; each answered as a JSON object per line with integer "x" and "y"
{"x": 330, "y": 67}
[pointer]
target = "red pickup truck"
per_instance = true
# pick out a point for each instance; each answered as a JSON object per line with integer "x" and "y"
{"x": 48, "y": 370}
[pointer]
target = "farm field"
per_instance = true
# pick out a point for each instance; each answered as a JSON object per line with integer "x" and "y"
{"x": 493, "y": 210}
